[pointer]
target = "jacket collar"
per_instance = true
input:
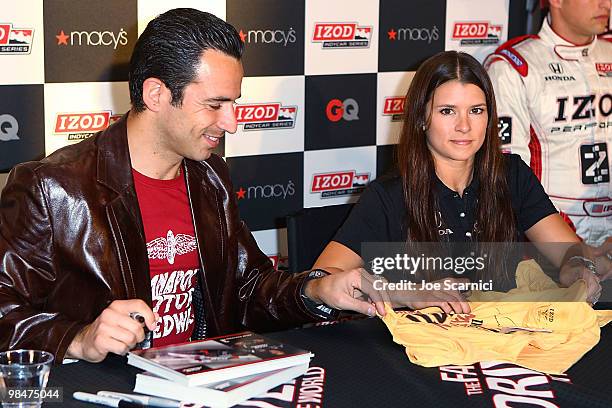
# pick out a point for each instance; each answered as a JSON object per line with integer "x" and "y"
{"x": 208, "y": 199}
{"x": 563, "y": 48}
{"x": 114, "y": 164}
{"x": 114, "y": 170}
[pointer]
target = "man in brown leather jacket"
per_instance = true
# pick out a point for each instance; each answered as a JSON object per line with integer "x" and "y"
{"x": 80, "y": 243}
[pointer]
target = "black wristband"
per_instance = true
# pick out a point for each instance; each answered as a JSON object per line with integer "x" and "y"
{"x": 318, "y": 309}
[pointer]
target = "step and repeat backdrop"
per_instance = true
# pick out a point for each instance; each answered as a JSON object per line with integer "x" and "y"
{"x": 321, "y": 99}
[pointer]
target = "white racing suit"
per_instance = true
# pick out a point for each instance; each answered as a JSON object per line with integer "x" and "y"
{"x": 554, "y": 103}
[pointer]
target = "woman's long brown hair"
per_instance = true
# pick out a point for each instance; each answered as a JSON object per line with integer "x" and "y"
{"x": 494, "y": 215}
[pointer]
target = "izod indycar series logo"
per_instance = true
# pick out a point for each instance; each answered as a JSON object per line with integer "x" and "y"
{"x": 79, "y": 126}
{"x": 604, "y": 69}
{"x": 15, "y": 41}
{"x": 342, "y": 35}
{"x": 477, "y": 33}
{"x": 394, "y": 107}
{"x": 340, "y": 183}
{"x": 272, "y": 115}
{"x": 598, "y": 209}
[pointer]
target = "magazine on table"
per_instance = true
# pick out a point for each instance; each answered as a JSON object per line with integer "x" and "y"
{"x": 218, "y": 359}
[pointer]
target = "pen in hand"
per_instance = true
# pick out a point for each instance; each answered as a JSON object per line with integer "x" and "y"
{"x": 148, "y": 340}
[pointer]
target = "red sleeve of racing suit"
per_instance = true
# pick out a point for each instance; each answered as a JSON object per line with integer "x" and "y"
{"x": 508, "y": 71}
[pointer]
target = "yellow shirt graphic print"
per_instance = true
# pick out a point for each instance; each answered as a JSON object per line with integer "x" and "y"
{"x": 522, "y": 326}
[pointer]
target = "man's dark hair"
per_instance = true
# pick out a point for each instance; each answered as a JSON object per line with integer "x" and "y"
{"x": 170, "y": 48}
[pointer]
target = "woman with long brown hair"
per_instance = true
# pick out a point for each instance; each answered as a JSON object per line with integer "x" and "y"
{"x": 452, "y": 184}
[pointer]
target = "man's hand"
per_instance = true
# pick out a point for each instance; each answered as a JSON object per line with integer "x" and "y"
{"x": 448, "y": 300}
{"x": 113, "y": 331}
{"x": 344, "y": 290}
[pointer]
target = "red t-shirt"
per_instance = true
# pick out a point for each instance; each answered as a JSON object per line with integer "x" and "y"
{"x": 173, "y": 256}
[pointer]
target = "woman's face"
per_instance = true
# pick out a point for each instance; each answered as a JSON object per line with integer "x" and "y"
{"x": 458, "y": 122}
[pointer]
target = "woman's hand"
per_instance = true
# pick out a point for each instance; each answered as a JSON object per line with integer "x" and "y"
{"x": 573, "y": 270}
{"x": 603, "y": 259}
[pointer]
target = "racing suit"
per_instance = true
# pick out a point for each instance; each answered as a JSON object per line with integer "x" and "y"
{"x": 554, "y": 102}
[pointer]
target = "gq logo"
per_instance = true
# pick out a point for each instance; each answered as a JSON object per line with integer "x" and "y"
{"x": 347, "y": 110}
{"x": 8, "y": 128}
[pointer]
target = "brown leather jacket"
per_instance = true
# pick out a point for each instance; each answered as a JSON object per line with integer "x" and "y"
{"x": 72, "y": 241}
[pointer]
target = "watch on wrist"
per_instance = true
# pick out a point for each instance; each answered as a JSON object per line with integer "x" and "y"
{"x": 588, "y": 263}
{"x": 318, "y": 309}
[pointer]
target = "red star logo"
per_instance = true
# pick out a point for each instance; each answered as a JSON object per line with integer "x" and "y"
{"x": 62, "y": 38}
{"x": 242, "y": 36}
{"x": 240, "y": 193}
{"x": 392, "y": 34}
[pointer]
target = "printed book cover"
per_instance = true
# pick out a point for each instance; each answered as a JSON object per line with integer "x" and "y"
{"x": 218, "y": 359}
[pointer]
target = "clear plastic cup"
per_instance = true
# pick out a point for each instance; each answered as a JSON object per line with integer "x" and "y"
{"x": 26, "y": 371}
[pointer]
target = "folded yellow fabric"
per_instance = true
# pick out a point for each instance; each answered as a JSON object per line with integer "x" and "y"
{"x": 536, "y": 325}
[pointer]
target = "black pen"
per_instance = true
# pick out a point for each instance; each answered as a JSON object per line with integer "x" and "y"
{"x": 148, "y": 340}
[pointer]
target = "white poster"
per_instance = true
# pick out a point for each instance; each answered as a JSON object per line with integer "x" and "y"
{"x": 21, "y": 43}
{"x": 390, "y": 103}
{"x": 341, "y": 37}
{"x": 76, "y": 111}
{"x": 477, "y": 27}
{"x": 270, "y": 117}
{"x": 337, "y": 176}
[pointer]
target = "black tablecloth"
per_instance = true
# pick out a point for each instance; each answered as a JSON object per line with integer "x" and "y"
{"x": 356, "y": 364}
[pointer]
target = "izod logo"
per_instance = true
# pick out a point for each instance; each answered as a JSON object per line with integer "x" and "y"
{"x": 477, "y": 33}
{"x": 342, "y": 35}
{"x": 339, "y": 183}
{"x": 15, "y": 41}
{"x": 271, "y": 115}
{"x": 470, "y": 30}
{"x": 394, "y": 107}
{"x": 79, "y": 126}
{"x": 604, "y": 69}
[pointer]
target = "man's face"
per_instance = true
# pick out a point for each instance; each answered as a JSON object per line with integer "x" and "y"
{"x": 585, "y": 17}
{"x": 195, "y": 128}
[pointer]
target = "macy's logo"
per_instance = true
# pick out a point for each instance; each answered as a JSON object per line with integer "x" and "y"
{"x": 267, "y": 191}
{"x": 269, "y": 36}
{"x": 92, "y": 38}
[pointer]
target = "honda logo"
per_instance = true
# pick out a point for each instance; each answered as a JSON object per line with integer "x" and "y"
{"x": 556, "y": 68}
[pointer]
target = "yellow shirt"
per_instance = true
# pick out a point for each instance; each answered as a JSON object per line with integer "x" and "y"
{"x": 537, "y": 325}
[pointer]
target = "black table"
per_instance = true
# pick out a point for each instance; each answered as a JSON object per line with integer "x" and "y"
{"x": 356, "y": 364}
